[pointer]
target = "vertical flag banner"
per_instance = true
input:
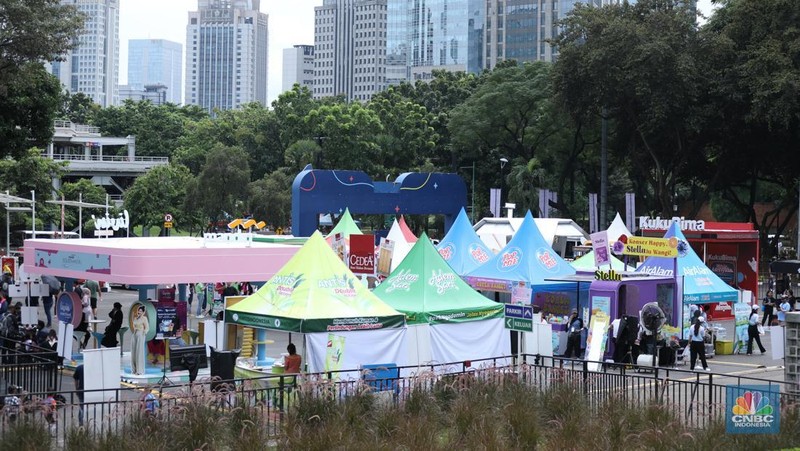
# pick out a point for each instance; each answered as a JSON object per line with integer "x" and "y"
{"x": 600, "y": 248}
{"x": 334, "y": 353}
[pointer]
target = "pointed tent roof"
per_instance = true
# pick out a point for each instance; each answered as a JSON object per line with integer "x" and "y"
{"x": 407, "y": 233}
{"x": 616, "y": 229}
{"x": 314, "y": 292}
{"x": 401, "y": 245}
{"x": 526, "y": 258}
{"x": 345, "y": 226}
{"x": 462, "y": 248}
{"x": 427, "y": 290}
{"x": 586, "y": 263}
{"x": 700, "y": 284}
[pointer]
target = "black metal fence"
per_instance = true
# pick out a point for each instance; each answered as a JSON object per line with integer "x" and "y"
{"x": 695, "y": 398}
{"x": 28, "y": 366}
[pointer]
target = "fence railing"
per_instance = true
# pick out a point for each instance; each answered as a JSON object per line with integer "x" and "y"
{"x": 696, "y": 398}
{"x": 106, "y": 158}
{"x": 28, "y": 366}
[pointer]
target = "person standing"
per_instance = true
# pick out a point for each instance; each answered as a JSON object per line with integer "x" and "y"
{"x": 141, "y": 327}
{"x": 574, "y": 329}
{"x": 697, "y": 344}
{"x": 752, "y": 332}
{"x": 95, "y": 295}
{"x": 54, "y": 287}
{"x": 769, "y": 308}
{"x": 110, "y": 335}
{"x": 783, "y": 309}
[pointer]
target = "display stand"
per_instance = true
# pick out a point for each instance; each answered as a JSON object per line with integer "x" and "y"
{"x": 164, "y": 379}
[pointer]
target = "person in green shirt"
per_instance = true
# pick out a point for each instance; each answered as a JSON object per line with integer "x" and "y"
{"x": 95, "y": 295}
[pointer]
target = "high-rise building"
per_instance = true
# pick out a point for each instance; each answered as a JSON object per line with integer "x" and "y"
{"x": 226, "y": 54}
{"x": 157, "y": 93}
{"x": 298, "y": 67}
{"x": 427, "y": 35}
{"x": 92, "y": 67}
{"x": 156, "y": 62}
{"x": 350, "y": 48}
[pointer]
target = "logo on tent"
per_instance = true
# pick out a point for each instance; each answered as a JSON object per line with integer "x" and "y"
{"x": 546, "y": 258}
{"x": 401, "y": 281}
{"x": 442, "y": 281}
{"x": 478, "y": 254}
{"x": 447, "y": 251}
{"x": 509, "y": 259}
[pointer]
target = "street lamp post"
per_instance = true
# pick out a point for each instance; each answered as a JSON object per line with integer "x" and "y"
{"x": 472, "y": 207}
{"x": 33, "y": 207}
{"x": 503, "y": 162}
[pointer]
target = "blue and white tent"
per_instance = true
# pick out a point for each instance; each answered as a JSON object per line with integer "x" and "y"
{"x": 462, "y": 248}
{"x": 699, "y": 284}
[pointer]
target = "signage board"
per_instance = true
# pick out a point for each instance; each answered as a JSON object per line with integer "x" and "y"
{"x": 111, "y": 224}
{"x": 657, "y": 223}
{"x": 362, "y": 254}
{"x": 166, "y": 321}
{"x": 600, "y": 248}
{"x": 519, "y": 324}
{"x": 650, "y": 247}
{"x": 519, "y": 311}
{"x": 752, "y": 409}
{"x": 385, "y": 257}
{"x": 521, "y": 294}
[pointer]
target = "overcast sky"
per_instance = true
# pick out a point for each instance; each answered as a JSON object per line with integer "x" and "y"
{"x": 291, "y": 22}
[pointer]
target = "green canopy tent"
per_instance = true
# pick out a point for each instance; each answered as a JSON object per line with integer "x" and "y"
{"x": 346, "y": 226}
{"x": 316, "y": 294}
{"x": 586, "y": 263}
{"x": 448, "y": 320}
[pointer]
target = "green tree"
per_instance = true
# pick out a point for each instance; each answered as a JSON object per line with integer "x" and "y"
{"x": 220, "y": 190}
{"x": 28, "y": 103}
{"x": 30, "y": 172}
{"x": 161, "y": 190}
{"x": 78, "y": 108}
{"x": 641, "y": 64}
{"x": 408, "y": 138}
{"x": 345, "y": 132}
{"x": 270, "y": 199}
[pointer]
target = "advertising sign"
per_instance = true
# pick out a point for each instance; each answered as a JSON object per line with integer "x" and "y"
{"x": 339, "y": 248}
{"x": 601, "y": 304}
{"x": 362, "y": 254}
{"x": 334, "y": 352}
{"x": 752, "y": 409}
{"x": 9, "y": 264}
{"x": 69, "y": 308}
{"x": 520, "y": 294}
{"x": 385, "y": 257}
{"x": 741, "y": 312}
{"x": 600, "y": 248}
{"x": 650, "y": 247}
{"x": 166, "y": 321}
{"x": 73, "y": 261}
{"x": 107, "y": 225}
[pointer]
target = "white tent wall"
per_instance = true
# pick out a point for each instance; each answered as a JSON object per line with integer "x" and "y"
{"x": 418, "y": 348}
{"x": 360, "y": 348}
{"x": 472, "y": 340}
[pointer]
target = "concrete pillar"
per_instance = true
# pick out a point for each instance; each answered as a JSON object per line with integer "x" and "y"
{"x": 791, "y": 368}
{"x": 131, "y": 147}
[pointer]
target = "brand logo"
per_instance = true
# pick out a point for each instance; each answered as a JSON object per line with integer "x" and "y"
{"x": 447, "y": 252}
{"x": 509, "y": 259}
{"x": 547, "y": 259}
{"x": 657, "y": 223}
{"x": 235, "y": 317}
{"x": 442, "y": 281}
{"x": 402, "y": 281}
{"x": 286, "y": 283}
{"x": 478, "y": 253}
{"x": 607, "y": 275}
{"x": 107, "y": 222}
{"x": 752, "y": 410}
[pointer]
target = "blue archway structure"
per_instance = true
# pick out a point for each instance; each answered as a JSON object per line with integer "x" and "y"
{"x": 317, "y": 191}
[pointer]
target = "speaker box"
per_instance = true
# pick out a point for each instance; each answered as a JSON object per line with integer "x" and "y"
{"x": 222, "y": 365}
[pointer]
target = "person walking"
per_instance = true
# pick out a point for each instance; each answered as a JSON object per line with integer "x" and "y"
{"x": 768, "y": 304}
{"x": 54, "y": 287}
{"x": 753, "y": 333}
{"x": 697, "y": 344}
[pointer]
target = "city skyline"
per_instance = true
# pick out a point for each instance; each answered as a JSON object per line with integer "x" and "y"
{"x": 290, "y": 24}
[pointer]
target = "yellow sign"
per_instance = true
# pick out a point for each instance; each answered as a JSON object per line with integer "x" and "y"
{"x": 651, "y": 247}
{"x": 168, "y": 225}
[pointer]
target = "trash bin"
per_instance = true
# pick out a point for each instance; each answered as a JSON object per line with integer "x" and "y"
{"x": 723, "y": 347}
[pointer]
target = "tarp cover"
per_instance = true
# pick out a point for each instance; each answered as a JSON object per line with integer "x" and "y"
{"x": 700, "y": 284}
{"x": 427, "y": 290}
{"x": 462, "y": 248}
{"x": 314, "y": 292}
{"x": 526, "y": 258}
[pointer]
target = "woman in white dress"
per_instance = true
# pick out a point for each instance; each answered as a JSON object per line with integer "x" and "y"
{"x": 140, "y": 327}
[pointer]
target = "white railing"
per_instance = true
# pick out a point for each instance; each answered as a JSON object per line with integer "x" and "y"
{"x": 76, "y": 127}
{"x": 106, "y": 158}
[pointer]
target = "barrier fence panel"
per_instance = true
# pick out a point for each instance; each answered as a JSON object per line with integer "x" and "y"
{"x": 695, "y": 399}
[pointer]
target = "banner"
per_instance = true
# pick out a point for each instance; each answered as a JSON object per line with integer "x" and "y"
{"x": 741, "y": 311}
{"x": 600, "y": 248}
{"x": 339, "y": 248}
{"x": 166, "y": 321}
{"x": 521, "y": 295}
{"x": 9, "y": 265}
{"x": 334, "y": 353}
{"x": 752, "y": 409}
{"x": 362, "y": 254}
{"x": 596, "y": 342}
{"x": 651, "y": 247}
{"x": 385, "y": 257}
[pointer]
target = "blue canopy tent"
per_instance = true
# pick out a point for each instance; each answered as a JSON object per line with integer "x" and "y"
{"x": 462, "y": 248}
{"x": 529, "y": 259}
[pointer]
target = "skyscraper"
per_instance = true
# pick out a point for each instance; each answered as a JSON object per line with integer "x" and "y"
{"x": 92, "y": 67}
{"x": 350, "y": 48}
{"x": 298, "y": 67}
{"x": 226, "y": 54}
{"x": 156, "y": 62}
{"x": 425, "y": 35}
